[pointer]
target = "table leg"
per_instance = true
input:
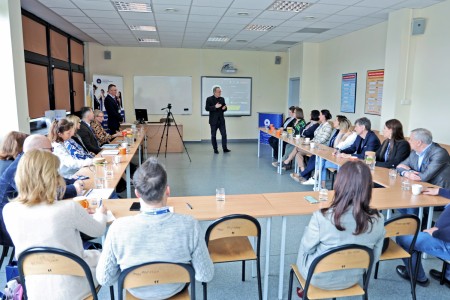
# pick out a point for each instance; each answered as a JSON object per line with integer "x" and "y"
{"x": 145, "y": 147}
{"x": 266, "y": 269}
{"x": 140, "y": 154}
{"x": 128, "y": 182}
{"x": 282, "y": 253}
{"x": 388, "y": 214}
{"x": 252, "y": 242}
{"x": 280, "y": 155}
{"x": 318, "y": 173}
{"x": 430, "y": 219}
{"x": 259, "y": 142}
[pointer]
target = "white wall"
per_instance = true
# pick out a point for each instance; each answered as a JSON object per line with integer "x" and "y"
{"x": 269, "y": 93}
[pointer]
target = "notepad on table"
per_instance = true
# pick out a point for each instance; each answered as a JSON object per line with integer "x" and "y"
{"x": 99, "y": 193}
{"x": 110, "y": 152}
{"x": 110, "y": 146}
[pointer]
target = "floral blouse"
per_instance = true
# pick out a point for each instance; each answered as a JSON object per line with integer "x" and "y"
{"x": 102, "y": 136}
{"x": 76, "y": 151}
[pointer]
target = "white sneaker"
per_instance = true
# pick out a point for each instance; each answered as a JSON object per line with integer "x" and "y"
{"x": 310, "y": 181}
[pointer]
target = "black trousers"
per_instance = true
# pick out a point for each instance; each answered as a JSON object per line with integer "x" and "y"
{"x": 273, "y": 142}
{"x": 223, "y": 133}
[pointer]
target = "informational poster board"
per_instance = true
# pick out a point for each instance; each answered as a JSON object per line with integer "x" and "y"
{"x": 374, "y": 92}
{"x": 348, "y": 92}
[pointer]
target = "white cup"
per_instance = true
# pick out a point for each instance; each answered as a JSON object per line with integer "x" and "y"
{"x": 126, "y": 146}
{"x": 416, "y": 189}
{"x": 307, "y": 140}
{"x": 117, "y": 159}
{"x": 312, "y": 145}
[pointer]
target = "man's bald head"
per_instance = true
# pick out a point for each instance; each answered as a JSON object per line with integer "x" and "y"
{"x": 36, "y": 141}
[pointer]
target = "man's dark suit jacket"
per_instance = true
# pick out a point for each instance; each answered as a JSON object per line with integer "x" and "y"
{"x": 114, "y": 117}
{"x": 215, "y": 114}
{"x": 88, "y": 138}
{"x": 360, "y": 145}
{"x": 8, "y": 190}
{"x": 435, "y": 168}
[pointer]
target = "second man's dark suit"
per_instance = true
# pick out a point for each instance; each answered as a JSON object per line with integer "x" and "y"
{"x": 88, "y": 138}
{"x": 217, "y": 120}
{"x": 114, "y": 117}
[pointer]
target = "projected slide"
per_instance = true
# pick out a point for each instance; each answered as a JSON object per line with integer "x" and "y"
{"x": 237, "y": 92}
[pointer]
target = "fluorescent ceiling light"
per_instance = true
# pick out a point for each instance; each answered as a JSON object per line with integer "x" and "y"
{"x": 220, "y": 39}
{"x": 132, "y": 6}
{"x": 142, "y": 40}
{"x": 241, "y": 41}
{"x": 242, "y": 14}
{"x": 255, "y": 27}
{"x": 142, "y": 27}
{"x": 295, "y": 6}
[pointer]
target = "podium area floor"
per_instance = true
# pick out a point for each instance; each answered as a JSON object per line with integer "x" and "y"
{"x": 242, "y": 172}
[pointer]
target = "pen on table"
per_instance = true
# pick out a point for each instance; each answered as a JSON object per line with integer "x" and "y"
{"x": 190, "y": 206}
{"x": 88, "y": 193}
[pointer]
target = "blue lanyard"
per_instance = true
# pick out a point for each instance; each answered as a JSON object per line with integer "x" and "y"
{"x": 158, "y": 211}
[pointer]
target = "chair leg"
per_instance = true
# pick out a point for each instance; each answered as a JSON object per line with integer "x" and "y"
{"x": 243, "y": 270}
{"x": 291, "y": 279}
{"x": 375, "y": 275}
{"x": 205, "y": 292}
{"x": 111, "y": 292}
{"x": 4, "y": 254}
{"x": 332, "y": 181}
{"x": 12, "y": 255}
{"x": 444, "y": 269}
{"x": 413, "y": 277}
{"x": 258, "y": 271}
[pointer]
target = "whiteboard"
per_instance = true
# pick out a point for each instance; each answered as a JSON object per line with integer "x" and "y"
{"x": 156, "y": 92}
{"x": 237, "y": 92}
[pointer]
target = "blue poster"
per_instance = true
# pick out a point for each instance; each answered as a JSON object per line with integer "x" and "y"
{"x": 264, "y": 120}
{"x": 348, "y": 93}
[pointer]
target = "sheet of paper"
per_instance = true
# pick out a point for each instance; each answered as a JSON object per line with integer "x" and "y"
{"x": 99, "y": 193}
{"x": 110, "y": 152}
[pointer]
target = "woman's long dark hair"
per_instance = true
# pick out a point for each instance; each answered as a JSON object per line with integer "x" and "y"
{"x": 353, "y": 188}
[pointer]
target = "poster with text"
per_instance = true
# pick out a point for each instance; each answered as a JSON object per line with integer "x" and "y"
{"x": 102, "y": 82}
{"x": 374, "y": 92}
{"x": 348, "y": 92}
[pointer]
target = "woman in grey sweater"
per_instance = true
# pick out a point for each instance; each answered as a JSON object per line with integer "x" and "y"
{"x": 348, "y": 220}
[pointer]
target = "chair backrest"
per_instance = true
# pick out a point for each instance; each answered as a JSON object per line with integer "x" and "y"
{"x": 232, "y": 226}
{"x": 155, "y": 273}
{"x": 342, "y": 258}
{"x": 403, "y": 225}
{"x": 47, "y": 260}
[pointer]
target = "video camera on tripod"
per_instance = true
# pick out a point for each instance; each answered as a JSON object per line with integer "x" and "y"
{"x": 169, "y": 107}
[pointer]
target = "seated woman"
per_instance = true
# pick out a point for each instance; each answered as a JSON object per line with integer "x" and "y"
{"x": 61, "y": 131}
{"x": 341, "y": 127}
{"x": 36, "y": 219}
{"x": 312, "y": 125}
{"x": 12, "y": 145}
{"x": 102, "y": 136}
{"x": 298, "y": 127}
{"x": 348, "y": 220}
{"x": 75, "y": 144}
{"x": 321, "y": 136}
{"x": 395, "y": 148}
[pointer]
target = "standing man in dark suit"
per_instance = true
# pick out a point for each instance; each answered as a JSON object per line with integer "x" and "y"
{"x": 86, "y": 133}
{"x": 216, "y": 107}
{"x": 113, "y": 110}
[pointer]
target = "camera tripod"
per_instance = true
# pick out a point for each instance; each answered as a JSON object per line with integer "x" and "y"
{"x": 166, "y": 131}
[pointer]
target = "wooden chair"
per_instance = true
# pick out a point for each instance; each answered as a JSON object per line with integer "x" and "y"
{"x": 401, "y": 225}
{"x": 340, "y": 258}
{"x": 155, "y": 273}
{"x": 227, "y": 241}
{"x": 46, "y": 261}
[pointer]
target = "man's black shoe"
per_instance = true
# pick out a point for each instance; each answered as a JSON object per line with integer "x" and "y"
{"x": 226, "y": 150}
{"x": 216, "y": 151}
{"x": 435, "y": 274}
{"x": 401, "y": 271}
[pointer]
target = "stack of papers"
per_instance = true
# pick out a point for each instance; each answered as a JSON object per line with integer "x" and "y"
{"x": 110, "y": 146}
{"x": 110, "y": 152}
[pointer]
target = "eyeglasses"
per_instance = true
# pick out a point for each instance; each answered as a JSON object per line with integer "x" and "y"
{"x": 51, "y": 149}
{"x": 100, "y": 116}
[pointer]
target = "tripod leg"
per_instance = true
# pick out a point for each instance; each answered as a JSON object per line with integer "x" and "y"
{"x": 167, "y": 132}
{"x": 162, "y": 137}
{"x": 181, "y": 138}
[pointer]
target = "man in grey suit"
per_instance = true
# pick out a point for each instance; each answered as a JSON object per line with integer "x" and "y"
{"x": 427, "y": 162}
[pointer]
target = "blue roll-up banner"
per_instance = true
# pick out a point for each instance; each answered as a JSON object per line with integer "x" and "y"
{"x": 264, "y": 120}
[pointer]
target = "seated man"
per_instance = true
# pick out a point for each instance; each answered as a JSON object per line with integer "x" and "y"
{"x": 366, "y": 140}
{"x": 8, "y": 189}
{"x": 155, "y": 234}
{"x": 427, "y": 162}
{"x": 86, "y": 133}
{"x": 434, "y": 241}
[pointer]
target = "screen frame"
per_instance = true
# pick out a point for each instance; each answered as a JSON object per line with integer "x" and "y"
{"x": 226, "y": 114}
{"x": 140, "y": 112}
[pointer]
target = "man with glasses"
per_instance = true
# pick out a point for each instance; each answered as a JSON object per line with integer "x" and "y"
{"x": 216, "y": 107}
{"x": 100, "y": 133}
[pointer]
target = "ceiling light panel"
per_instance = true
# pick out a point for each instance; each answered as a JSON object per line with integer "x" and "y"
{"x": 219, "y": 39}
{"x": 142, "y": 27}
{"x": 294, "y": 6}
{"x": 256, "y": 27}
{"x": 147, "y": 40}
{"x": 132, "y": 6}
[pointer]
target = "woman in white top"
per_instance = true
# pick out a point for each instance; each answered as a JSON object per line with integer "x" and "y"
{"x": 61, "y": 131}
{"x": 36, "y": 219}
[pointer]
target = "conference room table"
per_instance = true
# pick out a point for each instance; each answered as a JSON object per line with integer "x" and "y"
{"x": 118, "y": 168}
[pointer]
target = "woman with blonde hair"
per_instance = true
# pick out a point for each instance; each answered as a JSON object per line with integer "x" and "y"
{"x": 11, "y": 147}
{"x": 36, "y": 219}
{"x": 102, "y": 136}
{"x": 75, "y": 144}
{"x": 61, "y": 131}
